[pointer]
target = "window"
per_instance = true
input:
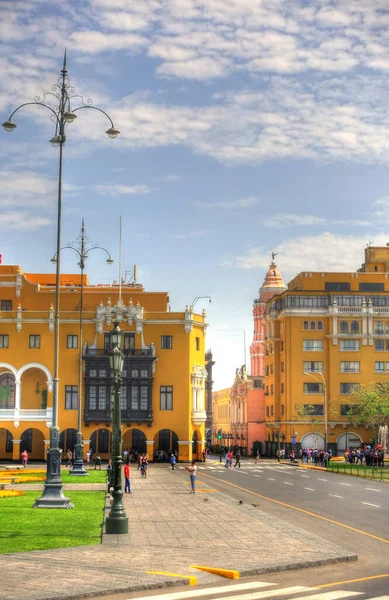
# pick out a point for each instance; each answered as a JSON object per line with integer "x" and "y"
{"x": 282, "y": 410}
{"x": 320, "y": 325}
{"x": 378, "y": 327}
{"x": 313, "y": 388}
{"x": 282, "y": 367}
{"x": 6, "y": 305}
{"x": 316, "y": 409}
{"x": 166, "y": 342}
{"x": 166, "y": 397}
{"x": 7, "y": 391}
{"x": 314, "y": 345}
{"x": 272, "y": 410}
{"x": 344, "y": 408}
{"x": 381, "y": 344}
{"x": 282, "y": 346}
{"x": 4, "y": 341}
{"x": 267, "y": 411}
{"x": 282, "y": 388}
{"x": 267, "y": 370}
{"x": 267, "y": 390}
{"x": 197, "y": 343}
{"x": 313, "y": 325}
{"x": 97, "y": 397}
{"x": 343, "y": 327}
{"x": 379, "y": 366}
{"x": 387, "y": 328}
{"x": 107, "y": 340}
{"x": 129, "y": 341}
{"x": 354, "y": 327}
{"x": 271, "y": 390}
{"x": 257, "y": 383}
{"x": 348, "y": 388}
{"x": 271, "y": 369}
{"x": 349, "y": 345}
{"x": 71, "y": 397}
{"x": 35, "y": 341}
{"x": 72, "y": 341}
{"x": 371, "y": 287}
{"x": 350, "y": 366}
{"x": 313, "y": 366}
{"x": 337, "y": 286}
{"x": 305, "y": 325}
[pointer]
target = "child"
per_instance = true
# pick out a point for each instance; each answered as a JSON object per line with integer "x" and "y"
{"x": 173, "y": 460}
{"x": 192, "y": 474}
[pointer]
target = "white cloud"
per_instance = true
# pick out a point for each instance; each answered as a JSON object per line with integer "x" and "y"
{"x": 325, "y": 252}
{"x": 22, "y": 221}
{"x": 288, "y": 220}
{"x": 229, "y": 204}
{"x": 122, "y": 190}
{"x": 26, "y": 188}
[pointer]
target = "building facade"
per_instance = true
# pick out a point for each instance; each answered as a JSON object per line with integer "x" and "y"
{"x": 327, "y": 334}
{"x": 163, "y": 396}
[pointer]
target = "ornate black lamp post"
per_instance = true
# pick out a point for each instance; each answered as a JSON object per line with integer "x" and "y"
{"x": 81, "y": 246}
{"x": 117, "y": 520}
{"x": 62, "y": 114}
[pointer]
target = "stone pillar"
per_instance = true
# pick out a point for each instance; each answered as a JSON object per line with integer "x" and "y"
{"x": 16, "y": 450}
{"x": 150, "y": 449}
{"x": 17, "y": 395}
{"x": 184, "y": 451}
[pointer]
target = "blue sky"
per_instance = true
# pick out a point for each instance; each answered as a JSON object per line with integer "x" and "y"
{"x": 246, "y": 127}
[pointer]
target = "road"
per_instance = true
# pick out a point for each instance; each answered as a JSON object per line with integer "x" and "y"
{"x": 350, "y": 512}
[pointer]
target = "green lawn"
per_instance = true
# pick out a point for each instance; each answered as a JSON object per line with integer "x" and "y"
{"x": 359, "y": 470}
{"x": 23, "y": 528}
{"x": 94, "y": 477}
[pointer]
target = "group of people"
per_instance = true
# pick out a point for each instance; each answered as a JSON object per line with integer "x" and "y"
{"x": 372, "y": 456}
{"x": 313, "y": 455}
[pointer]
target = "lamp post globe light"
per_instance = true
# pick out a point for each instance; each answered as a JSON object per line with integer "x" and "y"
{"x": 62, "y": 114}
{"x": 117, "y": 520}
{"x": 82, "y": 247}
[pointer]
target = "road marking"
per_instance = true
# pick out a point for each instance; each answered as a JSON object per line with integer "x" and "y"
{"x": 369, "y": 504}
{"x": 321, "y": 479}
{"x": 287, "y": 483}
{"x": 243, "y": 472}
{"x": 271, "y": 479}
{"x": 372, "y": 489}
{"x": 353, "y": 580}
{"x": 257, "y": 476}
{"x": 335, "y": 495}
{"x": 209, "y": 591}
{"x": 307, "y": 476}
{"x": 330, "y": 595}
{"x": 270, "y": 593}
{"x": 310, "y": 489}
{"x": 349, "y": 484}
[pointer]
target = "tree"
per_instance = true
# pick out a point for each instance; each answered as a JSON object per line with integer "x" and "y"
{"x": 308, "y": 413}
{"x": 370, "y": 405}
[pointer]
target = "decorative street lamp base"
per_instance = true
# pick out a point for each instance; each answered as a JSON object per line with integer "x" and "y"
{"x": 78, "y": 469}
{"x": 116, "y": 525}
{"x": 53, "y": 497}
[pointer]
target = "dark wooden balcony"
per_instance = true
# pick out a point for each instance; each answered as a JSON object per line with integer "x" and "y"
{"x": 128, "y": 417}
{"x": 104, "y": 352}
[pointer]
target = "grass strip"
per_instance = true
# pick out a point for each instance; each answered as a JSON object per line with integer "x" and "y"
{"x": 23, "y": 528}
{"x": 359, "y": 470}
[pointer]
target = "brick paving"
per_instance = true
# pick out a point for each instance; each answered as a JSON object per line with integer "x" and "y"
{"x": 170, "y": 530}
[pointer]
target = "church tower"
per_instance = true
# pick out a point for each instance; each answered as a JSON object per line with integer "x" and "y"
{"x": 273, "y": 285}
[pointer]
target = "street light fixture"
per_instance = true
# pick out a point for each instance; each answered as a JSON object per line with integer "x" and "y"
{"x": 61, "y": 114}
{"x": 195, "y": 300}
{"x": 321, "y": 379}
{"x": 117, "y": 520}
{"x": 80, "y": 247}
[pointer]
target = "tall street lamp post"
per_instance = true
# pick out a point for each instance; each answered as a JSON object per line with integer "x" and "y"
{"x": 320, "y": 378}
{"x": 81, "y": 246}
{"x": 62, "y": 114}
{"x": 117, "y": 520}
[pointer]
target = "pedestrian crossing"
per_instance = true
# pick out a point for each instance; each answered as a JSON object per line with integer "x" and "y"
{"x": 260, "y": 590}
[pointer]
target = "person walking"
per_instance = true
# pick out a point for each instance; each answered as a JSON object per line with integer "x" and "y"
{"x": 143, "y": 466}
{"x": 69, "y": 457}
{"x": 237, "y": 459}
{"x": 192, "y": 475}
{"x": 257, "y": 458}
{"x": 126, "y": 471}
{"x": 24, "y": 457}
{"x": 173, "y": 460}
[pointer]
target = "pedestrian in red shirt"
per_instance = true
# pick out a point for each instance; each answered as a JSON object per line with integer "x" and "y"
{"x": 126, "y": 470}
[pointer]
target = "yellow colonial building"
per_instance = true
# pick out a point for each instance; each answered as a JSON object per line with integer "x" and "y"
{"x": 221, "y": 415}
{"x": 164, "y": 378}
{"x": 326, "y": 334}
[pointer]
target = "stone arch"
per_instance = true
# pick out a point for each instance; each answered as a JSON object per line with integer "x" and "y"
{"x": 100, "y": 442}
{"x": 312, "y": 439}
{"x": 32, "y": 440}
{"x": 165, "y": 440}
{"x": 67, "y": 440}
{"x": 6, "y": 444}
{"x": 135, "y": 439}
{"x": 7, "y": 390}
{"x": 41, "y": 367}
{"x": 348, "y": 440}
{"x": 9, "y": 368}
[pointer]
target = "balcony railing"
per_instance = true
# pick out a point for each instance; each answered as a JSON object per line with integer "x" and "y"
{"x": 127, "y": 416}
{"x": 134, "y": 352}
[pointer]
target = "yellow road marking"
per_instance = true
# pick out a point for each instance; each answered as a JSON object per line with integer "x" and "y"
{"x": 191, "y": 579}
{"x": 352, "y": 580}
{"x": 229, "y": 573}
{"x": 203, "y": 490}
{"x": 302, "y": 510}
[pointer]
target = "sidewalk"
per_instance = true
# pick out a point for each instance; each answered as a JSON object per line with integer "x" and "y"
{"x": 170, "y": 530}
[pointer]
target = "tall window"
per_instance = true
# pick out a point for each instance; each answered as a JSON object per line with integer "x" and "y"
{"x": 107, "y": 340}
{"x": 197, "y": 343}
{"x": 129, "y": 340}
{"x": 379, "y": 345}
{"x": 7, "y": 391}
{"x": 349, "y": 345}
{"x": 6, "y": 305}
{"x": 348, "y": 388}
{"x": 313, "y": 388}
{"x": 282, "y": 367}
{"x": 347, "y": 366}
{"x": 305, "y": 325}
{"x": 379, "y": 366}
{"x": 343, "y": 328}
{"x": 320, "y": 325}
{"x": 312, "y": 345}
{"x": 166, "y": 342}
{"x": 282, "y": 410}
{"x": 313, "y": 325}
{"x": 97, "y": 397}
{"x": 354, "y": 327}
{"x": 35, "y": 341}
{"x": 4, "y": 341}
{"x": 378, "y": 327}
{"x": 72, "y": 341}
{"x": 166, "y": 397}
{"x": 282, "y": 388}
{"x": 316, "y": 366}
{"x": 344, "y": 408}
{"x": 71, "y": 397}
